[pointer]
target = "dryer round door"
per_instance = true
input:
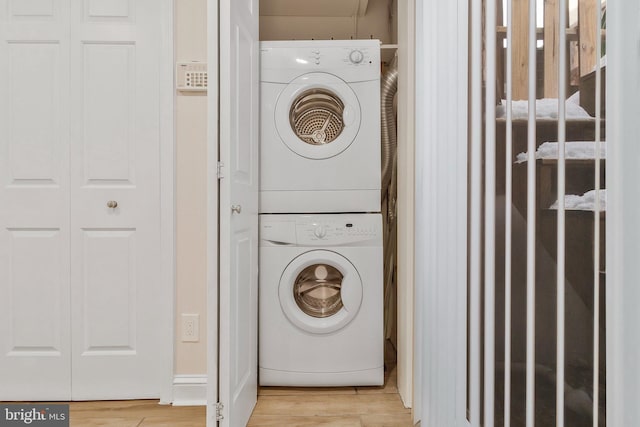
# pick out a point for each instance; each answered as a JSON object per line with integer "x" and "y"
{"x": 317, "y": 115}
{"x": 320, "y": 291}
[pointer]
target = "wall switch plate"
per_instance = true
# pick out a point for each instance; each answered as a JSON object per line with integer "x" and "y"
{"x": 190, "y": 327}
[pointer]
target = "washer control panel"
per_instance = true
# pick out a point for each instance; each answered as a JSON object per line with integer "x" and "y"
{"x": 334, "y": 230}
{"x": 321, "y": 229}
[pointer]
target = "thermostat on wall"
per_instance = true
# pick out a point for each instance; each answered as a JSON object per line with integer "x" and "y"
{"x": 191, "y": 76}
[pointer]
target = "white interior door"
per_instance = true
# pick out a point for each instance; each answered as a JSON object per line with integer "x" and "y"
{"x": 81, "y": 305}
{"x": 34, "y": 200}
{"x": 238, "y": 344}
{"x": 115, "y": 161}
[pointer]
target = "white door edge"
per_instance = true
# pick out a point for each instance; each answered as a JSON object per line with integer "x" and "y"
{"x": 623, "y": 230}
{"x": 406, "y": 200}
{"x": 441, "y": 242}
{"x": 167, "y": 194}
{"x": 212, "y": 212}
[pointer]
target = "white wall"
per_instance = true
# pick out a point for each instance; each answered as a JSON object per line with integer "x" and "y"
{"x": 191, "y": 180}
{"x": 375, "y": 24}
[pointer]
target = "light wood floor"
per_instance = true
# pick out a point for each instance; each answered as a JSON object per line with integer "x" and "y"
{"x": 134, "y": 413}
{"x": 277, "y": 406}
{"x": 344, "y": 406}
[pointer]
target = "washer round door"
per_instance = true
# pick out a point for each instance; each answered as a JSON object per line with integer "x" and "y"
{"x": 320, "y": 291}
{"x": 317, "y": 115}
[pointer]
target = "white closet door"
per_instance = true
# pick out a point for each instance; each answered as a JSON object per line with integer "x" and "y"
{"x": 79, "y": 132}
{"x": 115, "y": 251}
{"x": 238, "y": 210}
{"x": 34, "y": 200}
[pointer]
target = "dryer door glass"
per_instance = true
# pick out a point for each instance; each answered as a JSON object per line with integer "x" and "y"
{"x": 316, "y": 116}
{"x": 317, "y": 290}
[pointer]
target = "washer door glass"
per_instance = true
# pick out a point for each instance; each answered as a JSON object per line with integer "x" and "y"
{"x": 320, "y": 291}
{"x": 317, "y": 115}
{"x": 317, "y": 290}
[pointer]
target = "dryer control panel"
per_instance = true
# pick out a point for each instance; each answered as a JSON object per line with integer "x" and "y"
{"x": 351, "y": 60}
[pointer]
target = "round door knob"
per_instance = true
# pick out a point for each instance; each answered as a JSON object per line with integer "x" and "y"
{"x": 236, "y": 209}
{"x": 112, "y": 204}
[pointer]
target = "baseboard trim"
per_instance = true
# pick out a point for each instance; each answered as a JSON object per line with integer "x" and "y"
{"x": 189, "y": 390}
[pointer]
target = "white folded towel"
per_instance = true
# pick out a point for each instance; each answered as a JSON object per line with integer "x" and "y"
{"x": 572, "y": 149}
{"x": 585, "y": 202}
{"x": 546, "y": 108}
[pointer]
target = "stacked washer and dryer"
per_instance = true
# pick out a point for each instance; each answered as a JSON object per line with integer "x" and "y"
{"x": 321, "y": 255}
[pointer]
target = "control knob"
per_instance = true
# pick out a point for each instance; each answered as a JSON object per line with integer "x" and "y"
{"x": 356, "y": 56}
{"x": 320, "y": 231}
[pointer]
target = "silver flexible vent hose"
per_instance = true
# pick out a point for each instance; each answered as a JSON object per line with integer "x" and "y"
{"x": 388, "y": 89}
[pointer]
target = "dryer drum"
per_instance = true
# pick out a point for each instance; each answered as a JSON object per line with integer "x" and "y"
{"x": 316, "y": 116}
{"x": 317, "y": 290}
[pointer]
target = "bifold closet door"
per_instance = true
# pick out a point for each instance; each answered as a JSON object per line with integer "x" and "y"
{"x": 79, "y": 199}
{"x": 115, "y": 199}
{"x": 35, "y": 357}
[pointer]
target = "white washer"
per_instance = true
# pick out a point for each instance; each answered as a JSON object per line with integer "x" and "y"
{"x": 321, "y": 300}
{"x": 320, "y": 126}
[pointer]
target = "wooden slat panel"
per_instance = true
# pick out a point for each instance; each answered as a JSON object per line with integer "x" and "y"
{"x": 500, "y": 51}
{"x": 500, "y": 55}
{"x": 520, "y": 49}
{"x": 572, "y": 33}
{"x": 551, "y": 48}
{"x": 587, "y": 26}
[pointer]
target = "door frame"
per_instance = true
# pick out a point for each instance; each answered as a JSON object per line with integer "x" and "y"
{"x": 407, "y": 364}
{"x": 166, "y": 294}
{"x": 213, "y": 218}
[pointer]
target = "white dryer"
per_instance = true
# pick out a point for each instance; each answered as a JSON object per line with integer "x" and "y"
{"x": 320, "y": 126}
{"x": 321, "y": 300}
